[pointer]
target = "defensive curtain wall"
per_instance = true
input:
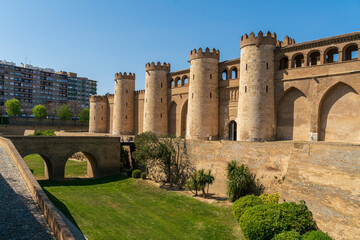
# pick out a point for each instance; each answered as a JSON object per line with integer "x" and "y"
{"x": 103, "y": 153}
{"x": 310, "y": 92}
{"x": 325, "y": 175}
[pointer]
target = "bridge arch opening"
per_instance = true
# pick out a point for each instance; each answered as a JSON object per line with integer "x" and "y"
{"x": 80, "y": 165}
{"x": 39, "y": 165}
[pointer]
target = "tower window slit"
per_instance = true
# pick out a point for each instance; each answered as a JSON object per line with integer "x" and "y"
{"x": 161, "y": 85}
{"x": 160, "y": 115}
{"x": 267, "y": 88}
{"x": 125, "y": 116}
{"x": 161, "y": 100}
{"x": 210, "y": 76}
{"x": 210, "y": 95}
{"x": 245, "y": 89}
{"x": 267, "y": 65}
{"x": 246, "y": 67}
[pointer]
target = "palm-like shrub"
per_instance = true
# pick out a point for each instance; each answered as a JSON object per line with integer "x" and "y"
{"x": 199, "y": 180}
{"x": 239, "y": 180}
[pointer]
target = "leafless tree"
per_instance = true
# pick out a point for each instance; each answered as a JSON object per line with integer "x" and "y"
{"x": 51, "y": 109}
{"x": 75, "y": 107}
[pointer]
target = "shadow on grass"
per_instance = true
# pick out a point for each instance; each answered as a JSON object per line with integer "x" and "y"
{"x": 62, "y": 207}
{"x": 82, "y": 181}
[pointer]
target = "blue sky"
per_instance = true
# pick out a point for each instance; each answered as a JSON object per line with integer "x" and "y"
{"x": 98, "y": 38}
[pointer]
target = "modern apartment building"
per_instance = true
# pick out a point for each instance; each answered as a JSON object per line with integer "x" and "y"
{"x": 79, "y": 88}
{"x": 34, "y": 85}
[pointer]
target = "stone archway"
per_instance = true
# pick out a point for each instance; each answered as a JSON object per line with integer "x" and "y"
{"x": 172, "y": 118}
{"x": 293, "y": 116}
{"x": 339, "y": 114}
{"x": 232, "y": 130}
{"x": 184, "y": 111}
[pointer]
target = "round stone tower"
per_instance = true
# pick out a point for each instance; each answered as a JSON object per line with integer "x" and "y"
{"x": 203, "y": 105}
{"x": 98, "y": 118}
{"x": 256, "y": 113}
{"x": 155, "y": 105}
{"x": 123, "y": 122}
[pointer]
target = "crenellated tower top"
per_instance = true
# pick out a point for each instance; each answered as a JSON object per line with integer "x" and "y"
{"x": 195, "y": 54}
{"x": 151, "y": 66}
{"x": 98, "y": 98}
{"x": 257, "y": 40}
{"x": 119, "y": 76}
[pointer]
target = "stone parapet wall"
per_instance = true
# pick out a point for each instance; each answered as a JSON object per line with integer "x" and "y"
{"x": 53, "y": 218}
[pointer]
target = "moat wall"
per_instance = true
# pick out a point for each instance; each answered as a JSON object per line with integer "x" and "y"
{"x": 325, "y": 175}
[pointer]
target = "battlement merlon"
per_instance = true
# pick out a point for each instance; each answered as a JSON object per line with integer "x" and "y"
{"x": 120, "y": 76}
{"x": 257, "y": 40}
{"x": 195, "y": 54}
{"x": 151, "y": 66}
{"x": 98, "y": 98}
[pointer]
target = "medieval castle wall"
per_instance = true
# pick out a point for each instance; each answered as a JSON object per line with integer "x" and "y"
{"x": 276, "y": 90}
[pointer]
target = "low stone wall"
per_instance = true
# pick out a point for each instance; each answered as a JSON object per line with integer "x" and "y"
{"x": 55, "y": 221}
{"x": 20, "y": 129}
{"x": 325, "y": 175}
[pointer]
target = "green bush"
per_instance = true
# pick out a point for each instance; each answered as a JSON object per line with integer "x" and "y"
{"x": 129, "y": 173}
{"x": 136, "y": 173}
{"x": 244, "y": 203}
{"x": 315, "y": 235}
{"x": 143, "y": 175}
{"x": 239, "y": 180}
{"x": 270, "y": 198}
{"x": 290, "y": 235}
{"x": 43, "y": 133}
{"x": 265, "y": 221}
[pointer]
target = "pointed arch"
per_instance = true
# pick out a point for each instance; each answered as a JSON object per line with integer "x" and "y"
{"x": 184, "y": 111}
{"x": 293, "y": 116}
{"x": 172, "y": 118}
{"x": 339, "y": 114}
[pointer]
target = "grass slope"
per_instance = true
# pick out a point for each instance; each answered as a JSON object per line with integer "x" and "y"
{"x": 124, "y": 208}
{"x": 72, "y": 168}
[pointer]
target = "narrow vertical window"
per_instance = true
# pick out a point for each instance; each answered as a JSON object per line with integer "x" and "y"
{"x": 267, "y": 88}
{"x": 210, "y": 76}
{"x": 210, "y": 95}
{"x": 246, "y": 67}
{"x": 101, "y": 118}
{"x": 126, "y": 91}
{"x": 193, "y": 76}
{"x": 126, "y": 104}
{"x": 125, "y": 116}
{"x": 192, "y": 95}
{"x": 161, "y": 100}
{"x": 245, "y": 89}
{"x": 267, "y": 65}
{"x": 161, "y": 85}
{"x": 160, "y": 115}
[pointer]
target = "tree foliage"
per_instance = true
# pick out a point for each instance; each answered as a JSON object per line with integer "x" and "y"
{"x": 84, "y": 115}
{"x": 63, "y": 112}
{"x": 164, "y": 157}
{"x": 239, "y": 180}
{"x": 40, "y": 111}
{"x": 13, "y": 107}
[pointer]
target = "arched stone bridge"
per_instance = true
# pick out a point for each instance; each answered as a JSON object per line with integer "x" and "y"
{"x": 103, "y": 153}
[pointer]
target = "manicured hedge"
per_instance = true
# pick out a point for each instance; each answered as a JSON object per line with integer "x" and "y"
{"x": 270, "y": 198}
{"x": 290, "y": 235}
{"x": 315, "y": 235}
{"x": 244, "y": 203}
{"x": 266, "y": 220}
{"x": 136, "y": 173}
{"x": 143, "y": 175}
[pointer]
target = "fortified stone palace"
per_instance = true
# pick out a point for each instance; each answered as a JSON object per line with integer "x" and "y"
{"x": 276, "y": 90}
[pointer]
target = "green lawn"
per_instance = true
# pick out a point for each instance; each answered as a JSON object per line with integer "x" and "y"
{"x": 124, "y": 208}
{"x": 72, "y": 168}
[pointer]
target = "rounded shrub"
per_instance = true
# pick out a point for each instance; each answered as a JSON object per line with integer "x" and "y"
{"x": 143, "y": 175}
{"x": 136, "y": 173}
{"x": 315, "y": 235}
{"x": 244, "y": 203}
{"x": 290, "y": 235}
{"x": 266, "y": 220}
{"x": 270, "y": 198}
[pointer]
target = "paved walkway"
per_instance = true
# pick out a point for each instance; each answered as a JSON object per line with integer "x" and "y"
{"x": 20, "y": 216}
